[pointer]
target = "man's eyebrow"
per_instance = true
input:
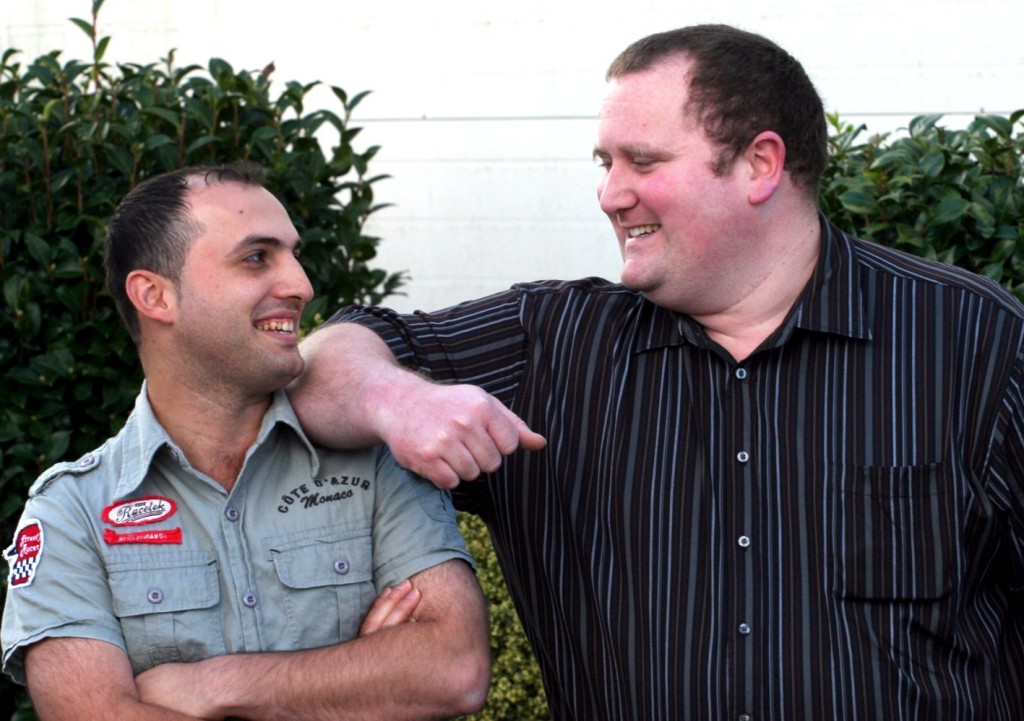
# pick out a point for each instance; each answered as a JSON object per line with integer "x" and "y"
{"x": 632, "y": 150}
{"x": 256, "y": 240}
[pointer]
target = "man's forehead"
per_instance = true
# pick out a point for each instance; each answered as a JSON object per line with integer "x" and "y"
{"x": 201, "y": 188}
{"x": 639, "y": 107}
{"x": 231, "y": 211}
{"x": 226, "y": 200}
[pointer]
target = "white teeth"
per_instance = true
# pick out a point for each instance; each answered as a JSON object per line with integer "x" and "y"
{"x": 282, "y": 326}
{"x": 642, "y": 230}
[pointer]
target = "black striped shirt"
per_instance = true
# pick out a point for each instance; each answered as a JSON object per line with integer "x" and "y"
{"x": 831, "y": 529}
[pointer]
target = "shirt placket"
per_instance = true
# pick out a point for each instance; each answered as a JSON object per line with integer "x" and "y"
{"x": 241, "y": 579}
{"x": 740, "y": 503}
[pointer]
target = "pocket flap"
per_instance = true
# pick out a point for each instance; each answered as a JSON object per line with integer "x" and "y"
{"x": 324, "y": 561}
{"x": 164, "y": 583}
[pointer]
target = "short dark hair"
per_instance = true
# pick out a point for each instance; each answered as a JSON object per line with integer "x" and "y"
{"x": 152, "y": 227}
{"x": 742, "y": 84}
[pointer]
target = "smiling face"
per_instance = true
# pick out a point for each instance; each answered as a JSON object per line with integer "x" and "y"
{"x": 241, "y": 291}
{"x": 681, "y": 226}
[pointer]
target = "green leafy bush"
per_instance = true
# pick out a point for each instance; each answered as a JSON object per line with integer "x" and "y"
{"x": 517, "y": 692}
{"x": 956, "y": 196}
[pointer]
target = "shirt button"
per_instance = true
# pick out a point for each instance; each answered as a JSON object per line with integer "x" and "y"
{"x": 249, "y": 600}
{"x": 341, "y": 566}
{"x": 742, "y": 456}
{"x": 155, "y": 595}
{"x": 744, "y": 541}
{"x": 744, "y": 629}
{"x": 741, "y": 373}
{"x": 232, "y": 513}
{"x": 744, "y": 717}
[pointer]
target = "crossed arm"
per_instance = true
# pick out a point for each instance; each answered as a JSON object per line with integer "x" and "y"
{"x": 435, "y": 666}
{"x": 354, "y": 393}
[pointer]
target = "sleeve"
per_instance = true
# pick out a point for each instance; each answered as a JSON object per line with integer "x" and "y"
{"x": 56, "y": 583}
{"x": 414, "y": 525}
{"x": 480, "y": 342}
{"x": 1008, "y": 468}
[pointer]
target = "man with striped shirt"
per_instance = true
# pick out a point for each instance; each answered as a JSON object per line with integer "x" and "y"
{"x": 784, "y": 468}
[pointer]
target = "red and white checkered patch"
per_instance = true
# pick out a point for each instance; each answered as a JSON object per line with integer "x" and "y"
{"x": 23, "y": 555}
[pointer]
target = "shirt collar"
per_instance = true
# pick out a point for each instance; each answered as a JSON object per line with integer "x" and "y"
{"x": 143, "y": 437}
{"x": 832, "y": 302}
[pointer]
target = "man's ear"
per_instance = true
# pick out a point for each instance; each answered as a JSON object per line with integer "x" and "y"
{"x": 152, "y": 294}
{"x": 766, "y": 159}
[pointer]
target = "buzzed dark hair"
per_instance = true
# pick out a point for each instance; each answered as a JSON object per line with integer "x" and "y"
{"x": 742, "y": 84}
{"x": 152, "y": 227}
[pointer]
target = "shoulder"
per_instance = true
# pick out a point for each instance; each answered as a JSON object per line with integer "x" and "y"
{"x": 552, "y": 301}
{"x": 122, "y": 457}
{"x": 591, "y": 315}
{"x": 879, "y": 260}
{"x": 96, "y": 463}
{"x": 581, "y": 287}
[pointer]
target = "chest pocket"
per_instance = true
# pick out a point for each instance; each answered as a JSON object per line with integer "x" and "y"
{"x": 329, "y": 575}
{"x": 168, "y": 605}
{"x": 896, "y": 533}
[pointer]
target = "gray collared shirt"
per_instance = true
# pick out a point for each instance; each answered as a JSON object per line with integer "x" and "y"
{"x": 133, "y": 546}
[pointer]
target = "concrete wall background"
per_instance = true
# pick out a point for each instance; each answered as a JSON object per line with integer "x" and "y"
{"x": 485, "y": 111}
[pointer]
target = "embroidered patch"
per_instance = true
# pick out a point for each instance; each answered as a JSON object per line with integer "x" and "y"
{"x": 23, "y": 555}
{"x": 137, "y": 511}
{"x": 169, "y": 535}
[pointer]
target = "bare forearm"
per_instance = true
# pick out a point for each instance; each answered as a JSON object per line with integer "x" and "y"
{"x": 435, "y": 667}
{"x": 354, "y": 393}
{"x": 387, "y": 678}
{"x": 70, "y": 679}
{"x": 348, "y": 380}
{"x": 123, "y": 709}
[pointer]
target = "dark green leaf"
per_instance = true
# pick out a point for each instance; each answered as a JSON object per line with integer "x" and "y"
{"x": 922, "y": 124}
{"x": 171, "y": 116}
{"x": 1001, "y": 126}
{"x": 201, "y": 142}
{"x": 933, "y": 163}
{"x": 101, "y": 48}
{"x": 859, "y": 202}
{"x": 950, "y": 209}
{"x": 38, "y": 249}
{"x": 84, "y": 25}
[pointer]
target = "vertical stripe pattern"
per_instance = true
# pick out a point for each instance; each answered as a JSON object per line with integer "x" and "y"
{"x": 831, "y": 529}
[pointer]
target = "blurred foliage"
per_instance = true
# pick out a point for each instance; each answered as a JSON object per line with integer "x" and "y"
{"x": 517, "y": 692}
{"x": 956, "y": 196}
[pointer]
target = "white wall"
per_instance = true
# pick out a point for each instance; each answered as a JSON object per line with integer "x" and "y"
{"x": 484, "y": 109}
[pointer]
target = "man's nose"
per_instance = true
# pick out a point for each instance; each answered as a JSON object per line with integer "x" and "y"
{"x": 615, "y": 191}
{"x": 295, "y": 283}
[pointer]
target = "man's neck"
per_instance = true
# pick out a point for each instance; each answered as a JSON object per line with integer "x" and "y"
{"x": 743, "y": 327}
{"x": 214, "y": 431}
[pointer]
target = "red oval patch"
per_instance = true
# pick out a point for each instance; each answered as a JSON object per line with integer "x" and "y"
{"x": 137, "y": 511}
